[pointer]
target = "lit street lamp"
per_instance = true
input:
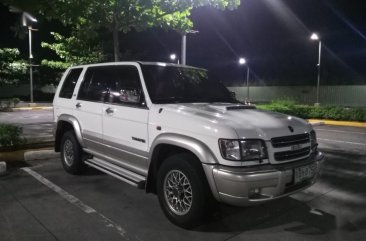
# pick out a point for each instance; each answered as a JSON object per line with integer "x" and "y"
{"x": 173, "y": 57}
{"x": 243, "y": 61}
{"x": 315, "y": 37}
{"x": 184, "y": 45}
{"x": 26, "y": 18}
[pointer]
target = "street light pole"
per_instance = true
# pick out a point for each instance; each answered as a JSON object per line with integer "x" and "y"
{"x": 248, "y": 73}
{"x": 242, "y": 61}
{"x": 25, "y": 18}
{"x": 319, "y": 62}
{"x": 184, "y": 48}
{"x": 315, "y": 37}
{"x": 184, "y": 45}
{"x": 30, "y": 63}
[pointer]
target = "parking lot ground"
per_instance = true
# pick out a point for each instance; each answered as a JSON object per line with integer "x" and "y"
{"x": 42, "y": 202}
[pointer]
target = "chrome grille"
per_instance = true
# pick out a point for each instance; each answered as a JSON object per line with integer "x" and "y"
{"x": 289, "y": 148}
{"x": 290, "y": 155}
{"x": 285, "y": 141}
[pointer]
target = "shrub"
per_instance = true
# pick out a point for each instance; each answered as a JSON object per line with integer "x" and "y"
{"x": 321, "y": 112}
{"x": 10, "y": 135}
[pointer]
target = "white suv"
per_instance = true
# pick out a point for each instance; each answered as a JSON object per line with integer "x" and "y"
{"x": 174, "y": 131}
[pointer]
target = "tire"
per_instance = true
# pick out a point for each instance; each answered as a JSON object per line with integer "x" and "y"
{"x": 71, "y": 154}
{"x": 184, "y": 205}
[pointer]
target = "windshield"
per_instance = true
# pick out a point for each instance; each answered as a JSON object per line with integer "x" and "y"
{"x": 171, "y": 84}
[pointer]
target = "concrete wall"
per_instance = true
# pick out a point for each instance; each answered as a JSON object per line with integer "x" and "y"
{"x": 340, "y": 95}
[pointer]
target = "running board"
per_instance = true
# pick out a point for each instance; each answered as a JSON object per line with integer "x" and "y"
{"x": 122, "y": 174}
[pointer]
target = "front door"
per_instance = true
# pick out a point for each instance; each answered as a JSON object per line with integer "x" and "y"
{"x": 125, "y": 119}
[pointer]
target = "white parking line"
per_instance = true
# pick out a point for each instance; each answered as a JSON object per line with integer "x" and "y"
{"x": 347, "y": 142}
{"x": 76, "y": 202}
{"x": 351, "y": 132}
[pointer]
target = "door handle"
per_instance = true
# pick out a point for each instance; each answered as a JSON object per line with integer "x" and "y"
{"x": 78, "y": 105}
{"x": 109, "y": 110}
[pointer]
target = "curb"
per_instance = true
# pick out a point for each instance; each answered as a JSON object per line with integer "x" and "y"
{"x": 319, "y": 123}
{"x": 2, "y": 168}
{"x": 28, "y": 155}
{"x": 316, "y": 122}
{"x": 40, "y": 155}
{"x": 31, "y": 108}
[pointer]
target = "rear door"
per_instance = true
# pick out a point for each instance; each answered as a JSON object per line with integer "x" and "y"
{"x": 125, "y": 118}
{"x": 89, "y": 107}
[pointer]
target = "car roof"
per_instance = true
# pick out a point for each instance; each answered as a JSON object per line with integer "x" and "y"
{"x": 138, "y": 62}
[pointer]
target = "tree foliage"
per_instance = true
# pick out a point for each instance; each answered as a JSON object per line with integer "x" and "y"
{"x": 72, "y": 51}
{"x": 88, "y": 17}
{"x": 12, "y": 67}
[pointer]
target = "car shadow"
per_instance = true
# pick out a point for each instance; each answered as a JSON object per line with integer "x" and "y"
{"x": 288, "y": 213}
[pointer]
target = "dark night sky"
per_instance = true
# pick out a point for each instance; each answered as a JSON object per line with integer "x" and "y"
{"x": 273, "y": 35}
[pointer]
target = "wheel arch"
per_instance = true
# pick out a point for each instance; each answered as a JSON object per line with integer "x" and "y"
{"x": 64, "y": 123}
{"x": 169, "y": 144}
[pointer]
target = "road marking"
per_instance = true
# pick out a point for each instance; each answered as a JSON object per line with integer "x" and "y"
{"x": 352, "y": 132}
{"x": 347, "y": 142}
{"x": 76, "y": 202}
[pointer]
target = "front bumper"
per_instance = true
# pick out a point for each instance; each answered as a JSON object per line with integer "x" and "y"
{"x": 247, "y": 186}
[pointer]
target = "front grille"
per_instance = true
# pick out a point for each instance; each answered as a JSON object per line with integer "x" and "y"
{"x": 290, "y": 155}
{"x": 285, "y": 141}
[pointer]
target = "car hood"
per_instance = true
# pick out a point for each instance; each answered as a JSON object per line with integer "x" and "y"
{"x": 223, "y": 119}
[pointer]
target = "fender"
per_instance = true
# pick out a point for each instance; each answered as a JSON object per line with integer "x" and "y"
{"x": 198, "y": 148}
{"x": 74, "y": 122}
{"x": 201, "y": 150}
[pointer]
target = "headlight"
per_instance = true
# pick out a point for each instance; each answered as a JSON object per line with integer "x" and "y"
{"x": 242, "y": 150}
{"x": 230, "y": 149}
{"x": 252, "y": 150}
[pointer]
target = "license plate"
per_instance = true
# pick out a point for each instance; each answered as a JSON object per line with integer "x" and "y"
{"x": 304, "y": 173}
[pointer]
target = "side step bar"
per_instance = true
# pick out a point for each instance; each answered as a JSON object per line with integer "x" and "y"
{"x": 122, "y": 174}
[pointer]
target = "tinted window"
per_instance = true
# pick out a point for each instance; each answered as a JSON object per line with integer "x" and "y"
{"x": 94, "y": 86}
{"x": 69, "y": 83}
{"x": 169, "y": 84}
{"x": 125, "y": 86}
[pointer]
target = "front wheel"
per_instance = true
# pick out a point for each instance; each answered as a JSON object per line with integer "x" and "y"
{"x": 182, "y": 190}
{"x": 71, "y": 153}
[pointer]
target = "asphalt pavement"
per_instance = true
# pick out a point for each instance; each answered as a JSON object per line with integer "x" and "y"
{"x": 37, "y": 124}
{"x": 42, "y": 202}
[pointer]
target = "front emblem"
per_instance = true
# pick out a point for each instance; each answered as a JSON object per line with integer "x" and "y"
{"x": 296, "y": 147}
{"x": 291, "y": 128}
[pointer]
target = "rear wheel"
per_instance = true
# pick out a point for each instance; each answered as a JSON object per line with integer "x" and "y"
{"x": 71, "y": 154}
{"x": 182, "y": 190}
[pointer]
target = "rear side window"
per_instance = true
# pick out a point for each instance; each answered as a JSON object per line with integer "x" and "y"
{"x": 69, "y": 83}
{"x": 125, "y": 86}
{"x": 94, "y": 87}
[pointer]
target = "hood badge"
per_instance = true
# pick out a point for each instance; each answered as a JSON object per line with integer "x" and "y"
{"x": 291, "y": 128}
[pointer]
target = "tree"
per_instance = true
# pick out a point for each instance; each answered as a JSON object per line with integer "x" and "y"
{"x": 88, "y": 17}
{"x": 12, "y": 67}
{"x": 73, "y": 51}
